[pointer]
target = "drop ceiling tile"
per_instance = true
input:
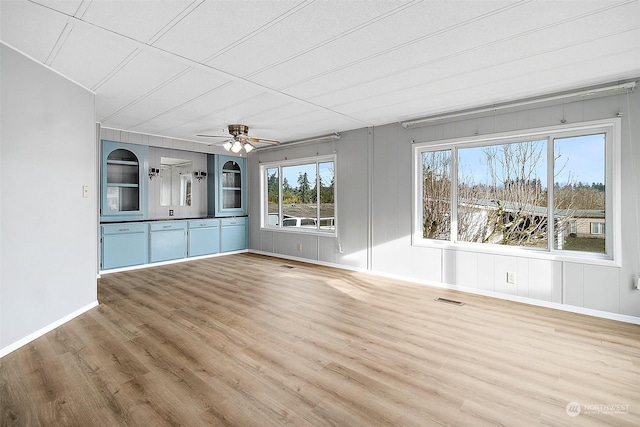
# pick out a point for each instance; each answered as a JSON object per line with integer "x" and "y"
{"x": 309, "y": 28}
{"x": 420, "y": 21}
{"x": 526, "y": 78}
{"x": 162, "y": 102}
{"x": 68, "y": 7}
{"x": 30, "y": 28}
{"x": 215, "y": 25}
{"x": 140, "y": 20}
{"x": 491, "y": 31}
{"x": 88, "y": 56}
{"x": 141, "y": 75}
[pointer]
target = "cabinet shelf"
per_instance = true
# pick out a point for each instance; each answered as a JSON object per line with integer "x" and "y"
{"x": 122, "y": 184}
{"x": 229, "y": 192}
{"x": 122, "y": 162}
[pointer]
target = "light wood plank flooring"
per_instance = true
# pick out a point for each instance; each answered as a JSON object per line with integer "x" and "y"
{"x": 248, "y": 340}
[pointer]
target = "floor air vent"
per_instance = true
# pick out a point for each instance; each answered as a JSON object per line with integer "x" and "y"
{"x": 448, "y": 301}
{"x": 286, "y": 266}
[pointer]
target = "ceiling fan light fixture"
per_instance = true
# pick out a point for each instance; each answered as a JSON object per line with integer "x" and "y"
{"x": 236, "y": 147}
{"x": 248, "y": 147}
{"x": 227, "y": 145}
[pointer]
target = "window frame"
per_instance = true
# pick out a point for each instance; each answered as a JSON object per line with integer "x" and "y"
{"x": 264, "y": 195}
{"x": 612, "y": 130}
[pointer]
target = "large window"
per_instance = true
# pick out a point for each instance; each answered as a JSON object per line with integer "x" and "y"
{"x": 299, "y": 195}
{"x": 548, "y": 190}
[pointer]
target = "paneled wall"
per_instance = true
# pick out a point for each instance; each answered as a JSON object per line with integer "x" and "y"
{"x": 349, "y": 247}
{"x": 374, "y": 177}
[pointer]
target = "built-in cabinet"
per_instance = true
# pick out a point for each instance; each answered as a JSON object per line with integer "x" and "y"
{"x": 233, "y": 232}
{"x": 167, "y": 240}
{"x": 134, "y": 243}
{"x": 123, "y": 182}
{"x": 204, "y": 237}
{"x": 227, "y": 192}
{"x": 130, "y": 237}
{"x": 124, "y": 245}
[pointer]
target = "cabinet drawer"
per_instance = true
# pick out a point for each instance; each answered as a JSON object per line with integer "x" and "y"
{"x": 167, "y": 225}
{"x": 204, "y": 223}
{"x": 234, "y": 221}
{"x": 124, "y": 228}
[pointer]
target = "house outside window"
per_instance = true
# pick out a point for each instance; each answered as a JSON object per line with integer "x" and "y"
{"x": 550, "y": 190}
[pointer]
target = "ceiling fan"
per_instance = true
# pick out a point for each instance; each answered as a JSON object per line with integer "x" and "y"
{"x": 239, "y": 139}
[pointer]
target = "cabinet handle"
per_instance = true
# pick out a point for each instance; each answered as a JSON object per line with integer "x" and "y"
{"x": 166, "y": 226}
{"x": 123, "y": 229}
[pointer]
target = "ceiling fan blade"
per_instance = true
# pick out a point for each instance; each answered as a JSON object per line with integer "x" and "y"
{"x": 213, "y": 136}
{"x": 265, "y": 141}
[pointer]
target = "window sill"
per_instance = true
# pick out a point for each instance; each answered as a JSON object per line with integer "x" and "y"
{"x": 300, "y": 230}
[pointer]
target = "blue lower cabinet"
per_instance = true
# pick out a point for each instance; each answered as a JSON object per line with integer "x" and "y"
{"x": 233, "y": 234}
{"x": 124, "y": 245}
{"x": 204, "y": 237}
{"x": 167, "y": 240}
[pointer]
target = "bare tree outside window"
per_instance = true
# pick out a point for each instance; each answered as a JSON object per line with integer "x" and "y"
{"x": 502, "y": 198}
{"x": 436, "y": 195}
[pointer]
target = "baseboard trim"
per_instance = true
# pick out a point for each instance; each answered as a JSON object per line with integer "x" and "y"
{"x": 40, "y": 332}
{"x": 515, "y": 298}
{"x": 173, "y": 261}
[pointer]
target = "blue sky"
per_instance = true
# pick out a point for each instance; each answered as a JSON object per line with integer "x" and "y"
{"x": 291, "y": 173}
{"x": 579, "y": 159}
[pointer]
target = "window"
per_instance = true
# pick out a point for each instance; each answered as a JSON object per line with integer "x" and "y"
{"x": 299, "y": 195}
{"x": 546, "y": 190}
{"x": 597, "y": 228}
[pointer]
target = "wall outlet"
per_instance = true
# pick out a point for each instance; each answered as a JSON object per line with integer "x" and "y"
{"x": 638, "y": 282}
{"x": 170, "y": 212}
{"x": 299, "y": 246}
{"x": 511, "y": 277}
{"x": 85, "y": 191}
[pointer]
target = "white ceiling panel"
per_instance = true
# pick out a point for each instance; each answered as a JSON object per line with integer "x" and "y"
{"x": 166, "y": 99}
{"x": 216, "y": 25}
{"x": 68, "y": 7}
{"x": 141, "y": 20}
{"x": 419, "y": 22}
{"x": 318, "y": 24}
{"x": 512, "y": 58}
{"x": 504, "y": 84}
{"x": 292, "y": 69}
{"x": 140, "y": 76}
{"x": 230, "y": 103}
{"x": 87, "y": 56}
{"x": 30, "y": 28}
{"x": 515, "y": 24}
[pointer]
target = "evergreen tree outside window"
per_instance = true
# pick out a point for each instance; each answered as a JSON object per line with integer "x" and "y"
{"x": 300, "y": 195}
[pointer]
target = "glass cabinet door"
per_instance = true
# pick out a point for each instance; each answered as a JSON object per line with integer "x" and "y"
{"x": 231, "y": 186}
{"x": 124, "y": 167}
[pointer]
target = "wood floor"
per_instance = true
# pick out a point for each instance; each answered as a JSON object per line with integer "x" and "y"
{"x": 248, "y": 340}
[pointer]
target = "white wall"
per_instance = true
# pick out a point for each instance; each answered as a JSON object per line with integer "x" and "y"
{"x": 388, "y": 163}
{"x": 48, "y": 241}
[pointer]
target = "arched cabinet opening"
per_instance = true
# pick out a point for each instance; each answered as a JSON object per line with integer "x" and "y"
{"x": 123, "y": 181}
{"x": 124, "y": 190}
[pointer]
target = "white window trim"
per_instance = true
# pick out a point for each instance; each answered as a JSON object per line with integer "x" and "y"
{"x": 296, "y": 162}
{"x": 613, "y": 220}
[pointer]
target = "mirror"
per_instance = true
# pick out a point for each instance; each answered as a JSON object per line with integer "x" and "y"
{"x": 176, "y": 179}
